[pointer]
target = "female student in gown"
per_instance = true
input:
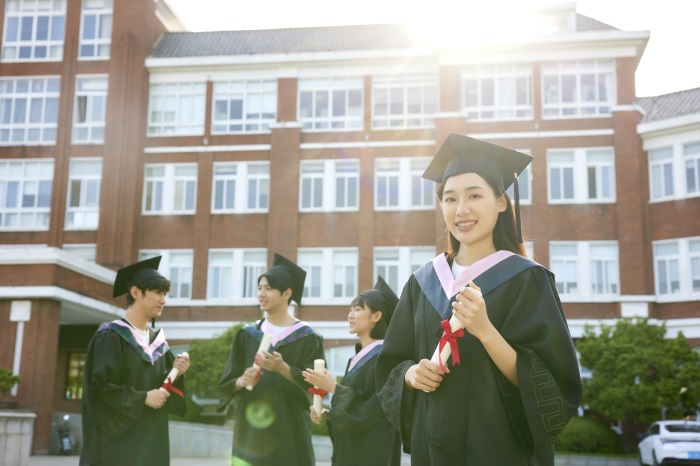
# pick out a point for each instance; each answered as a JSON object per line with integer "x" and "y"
{"x": 361, "y": 434}
{"x": 512, "y": 382}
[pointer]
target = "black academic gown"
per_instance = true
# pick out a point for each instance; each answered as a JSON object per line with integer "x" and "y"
{"x": 118, "y": 428}
{"x": 271, "y": 422}
{"x": 361, "y": 434}
{"x": 476, "y": 416}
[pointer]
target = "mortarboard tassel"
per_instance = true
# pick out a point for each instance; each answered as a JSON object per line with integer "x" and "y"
{"x": 516, "y": 194}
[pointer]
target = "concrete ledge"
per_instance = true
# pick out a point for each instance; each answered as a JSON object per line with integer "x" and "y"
{"x": 16, "y": 433}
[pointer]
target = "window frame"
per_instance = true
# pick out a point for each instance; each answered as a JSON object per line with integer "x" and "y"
{"x": 327, "y": 181}
{"x": 84, "y": 206}
{"x": 49, "y": 94}
{"x": 169, "y": 181}
{"x": 266, "y": 89}
{"x": 236, "y": 261}
{"x": 407, "y": 260}
{"x": 408, "y": 177}
{"x": 168, "y": 263}
{"x": 107, "y": 10}
{"x": 316, "y": 86}
{"x": 684, "y": 258}
{"x": 180, "y": 125}
{"x": 55, "y": 14}
{"x": 321, "y": 264}
{"x": 581, "y": 159}
{"x": 500, "y": 75}
{"x": 89, "y": 124}
{"x": 603, "y": 70}
{"x": 403, "y": 84}
{"x": 585, "y": 255}
{"x": 45, "y": 173}
{"x": 241, "y": 180}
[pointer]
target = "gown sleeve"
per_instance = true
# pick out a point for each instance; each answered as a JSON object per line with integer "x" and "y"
{"x": 311, "y": 350}
{"x": 355, "y": 407}
{"x": 398, "y": 354}
{"x": 116, "y": 406}
{"x": 549, "y": 390}
{"x": 235, "y": 366}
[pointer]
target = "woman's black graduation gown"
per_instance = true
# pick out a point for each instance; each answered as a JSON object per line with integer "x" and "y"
{"x": 361, "y": 434}
{"x": 476, "y": 416}
{"x": 118, "y": 428}
{"x": 271, "y": 422}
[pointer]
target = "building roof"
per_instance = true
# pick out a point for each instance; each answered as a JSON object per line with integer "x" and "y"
{"x": 666, "y": 106}
{"x": 307, "y": 39}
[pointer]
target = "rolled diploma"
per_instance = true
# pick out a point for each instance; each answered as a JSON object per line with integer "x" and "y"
{"x": 172, "y": 375}
{"x": 455, "y": 325}
{"x": 264, "y": 346}
{"x": 319, "y": 365}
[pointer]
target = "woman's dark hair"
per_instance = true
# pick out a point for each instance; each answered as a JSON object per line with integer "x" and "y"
{"x": 379, "y": 330}
{"x": 505, "y": 233}
{"x": 276, "y": 284}
{"x": 152, "y": 284}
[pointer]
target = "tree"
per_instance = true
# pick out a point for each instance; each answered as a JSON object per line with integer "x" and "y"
{"x": 637, "y": 372}
{"x": 208, "y": 361}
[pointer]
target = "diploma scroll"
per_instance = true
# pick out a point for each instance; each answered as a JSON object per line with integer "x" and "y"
{"x": 455, "y": 331}
{"x": 170, "y": 379}
{"x": 264, "y": 346}
{"x": 319, "y": 365}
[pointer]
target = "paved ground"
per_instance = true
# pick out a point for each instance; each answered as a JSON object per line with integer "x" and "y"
{"x": 73, "y": 461}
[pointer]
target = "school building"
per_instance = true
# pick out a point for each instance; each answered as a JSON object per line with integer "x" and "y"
{"x": 122, "y": 136}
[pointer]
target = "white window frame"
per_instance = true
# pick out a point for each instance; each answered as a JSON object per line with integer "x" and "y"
{"x": 328, "y": 180}
{"x": 524, "y": 184}
{"x": 691, "y": 159}
{"x": 685, "y": 262}
{"x": 27, "y": 176}
{"x": 243, "y": 267}
{"x": 85, "y": 215}
{"x": 577, "y": 162}
{"x": 20, "y": 123}
{"x": 660, "y": 166}
{"x": 405, "y": 174}
{"x": 669, "y": 159}
{"x": 176, "y": 108}
{"x": 85, "y": 251}
{"x": 180, "y": 260}
{"x": 499, "y": 83}
{"x": 314, "y": 119}
{"x": 18, "y": 12}
{"x": 396, "y": 264}
{"x": 400, "y": 87}
{"x": 258, "y": 106}
{"x": 101, "y": 42}
{"x": 324, "y": 267}
{"x": 552, "y": 80}
{"x": 584, "y": 257}
{"x": 93, "y": 89}
{"x": 240, "y": 182}
{"x": 172, "y": 186}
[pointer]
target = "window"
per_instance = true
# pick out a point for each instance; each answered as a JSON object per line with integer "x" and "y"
{"x": 34, "y": 30}
{"x": 524, "y": 185}
{"x": 329, "y": 185}
{"x": 74, "y": 377}
{"x": 497, "y": 92}
{"x": 177, "y": 109}
{"x": 661, "y": 173}
{"x": 581, "y": 176}
{"x": 176, "y": 266}
{"x": 233, "y": 274}
{"x": 404, "y": 101}
{"x": 83, "y": 203}
{"x": 399, "y": 185}
{"x": 89, "y": 111}
{"x": 586, "y": 269}
{"x": 170, "y": 189}
{"x": 243, "y": 106}
{"x": 677, "y": 268}
{"x": 86, "y": 252}
{"x": 691, "y": 155}
{"x": 331, "y": 275}
{"x": 95, "y": 29}
{"x": 241, "y": 187}
{"x": 29, "y": 110}
{"x": 25, "y": 194}
{"x": 330, "y": 103}
{"x": 578, "y": 89}
{"x": 395, "y": 265}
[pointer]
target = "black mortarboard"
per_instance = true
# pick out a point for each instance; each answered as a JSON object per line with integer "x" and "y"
{"x": 135, "y": 274}
{"x": 462, "y": 154}
{"x": 289, "y": 275}
{"x": 382, "y": 298}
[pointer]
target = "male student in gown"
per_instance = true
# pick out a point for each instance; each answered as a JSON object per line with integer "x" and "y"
{"x": 271, "y": 419}
{"x": 125, "y": 408}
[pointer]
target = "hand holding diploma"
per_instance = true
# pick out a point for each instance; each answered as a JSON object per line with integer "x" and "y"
{"x": 319, "y": 393}
{"x": 264, "y": 346}
{"x": 180, "y": 366}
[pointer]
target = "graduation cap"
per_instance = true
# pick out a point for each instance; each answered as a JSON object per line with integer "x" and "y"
{"x": 462, "y": 154}
{"x": 382, "y": 298}
{"x": 135, "y": 274}
{"x": 289, "y": 275}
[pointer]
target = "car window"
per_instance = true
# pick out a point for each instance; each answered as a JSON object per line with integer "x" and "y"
{"x": 654, "y": 429}
{"x": 683, "y": 428}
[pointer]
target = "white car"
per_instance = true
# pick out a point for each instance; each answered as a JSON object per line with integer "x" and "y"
{"x": 671, "y": 442}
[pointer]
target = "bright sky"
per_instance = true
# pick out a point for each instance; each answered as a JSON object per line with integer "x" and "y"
{"x": 670, "y": 62}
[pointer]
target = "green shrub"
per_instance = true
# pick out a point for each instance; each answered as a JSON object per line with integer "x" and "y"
{"x": 320, "y": 429}
{"x": 585, "y": 435}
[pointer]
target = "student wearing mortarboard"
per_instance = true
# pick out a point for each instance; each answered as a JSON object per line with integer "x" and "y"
{"x": 271, "y": 419}
{"x": 360, "y": 432}
{"x": 125, "y": 410}
{"x": 513, "y": 381}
